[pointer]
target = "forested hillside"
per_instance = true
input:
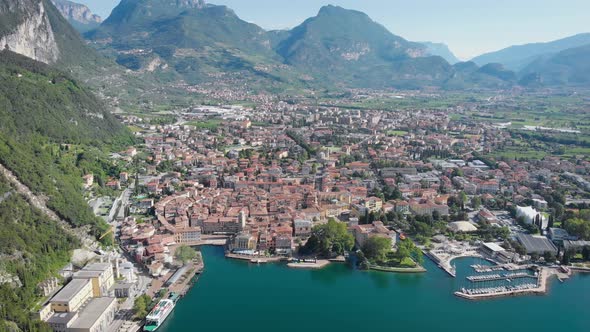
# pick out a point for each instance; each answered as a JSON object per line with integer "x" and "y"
{"x": 33, "y": 249}
{"x": 45, "y": 119}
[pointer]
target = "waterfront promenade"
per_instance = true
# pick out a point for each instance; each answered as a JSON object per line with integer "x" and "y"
{"x": 256, "y": 258}
{"x": 319, "y": 264}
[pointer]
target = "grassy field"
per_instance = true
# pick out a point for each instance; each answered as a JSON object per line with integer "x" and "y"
{"x": 134, "y": 129}
{"x": 519, "y": 154}
{"x": 208, "y": 124}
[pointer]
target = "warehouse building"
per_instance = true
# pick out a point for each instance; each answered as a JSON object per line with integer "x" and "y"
{"x": 536, "y": 244}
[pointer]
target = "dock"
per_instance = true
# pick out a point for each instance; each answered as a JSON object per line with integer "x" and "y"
{"x": 256, "y": 259}
{"x": 445, "y": 267}
{"x": 318, "y": 264}
{"x": 498, "y": 277}
{"x": 186, "y": 281}
{"x": 495, "y": 268}
{"x": 540, "y": 287}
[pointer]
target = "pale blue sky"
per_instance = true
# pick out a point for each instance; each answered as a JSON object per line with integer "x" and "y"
{"x": 469, "y": 27}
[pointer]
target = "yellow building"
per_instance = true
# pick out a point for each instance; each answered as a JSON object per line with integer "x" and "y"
{"x": 72, "y": 296}
{"x": 101, "y": 275}
{"x": 244, "y": 241}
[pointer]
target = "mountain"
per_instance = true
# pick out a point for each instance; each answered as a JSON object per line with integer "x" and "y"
{"x": 441, "y": 50}
{"x": 186, "y": 40}
{"x": 36, "y": 29}
{"x": 518, "y": 57}
{"x": 568, "y": 67}
{"x": 78, "y": 15}
{"x": 341, "y": 45}
{"x": 25, "y": 28}
{"x": 52, "y": 131}
{"x": 33, "y": 248}
{"x": 467, "y": 75}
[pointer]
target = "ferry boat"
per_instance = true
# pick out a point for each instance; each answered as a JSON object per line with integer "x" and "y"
{"x": 160, "y": 312}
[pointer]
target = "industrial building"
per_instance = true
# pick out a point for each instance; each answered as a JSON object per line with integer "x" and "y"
{"x": 72, "y": 296}
{"x": 97, "y": 315}
{"x": 83, "y": 305}
{"x": 101, "y": 275}
{"x": 536, "y": 244}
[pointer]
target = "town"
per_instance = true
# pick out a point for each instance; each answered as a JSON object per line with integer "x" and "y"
{"x": 269, "y": 183}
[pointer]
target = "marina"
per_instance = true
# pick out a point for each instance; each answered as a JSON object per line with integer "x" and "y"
{"x": 344, "y": 294}
{"x": 497, "y": 277}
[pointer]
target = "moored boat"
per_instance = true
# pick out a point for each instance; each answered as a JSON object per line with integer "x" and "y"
{"x": 158, "y": 315}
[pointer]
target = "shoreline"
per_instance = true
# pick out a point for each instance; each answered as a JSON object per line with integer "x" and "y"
{"x": 255, "y": 259}
{"x": 417, "y": 269}
{"x": 319, "y": 264}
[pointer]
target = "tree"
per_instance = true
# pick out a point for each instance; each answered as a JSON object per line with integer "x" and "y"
{"x": 185, "y": 254}
{"x": 457, "y": 172}
{"x": 567, "y": 256}
{"x": 329, "y": 239}
{"x": 407, "y": 249}
{"x": 476, "y": 202}
{"x": 578, "y": 227}
{"x": 463, "y": 200}
{"x": 376, "y": 248}
{"x": 549, "y": 257}
{"x": 140, "y": 307}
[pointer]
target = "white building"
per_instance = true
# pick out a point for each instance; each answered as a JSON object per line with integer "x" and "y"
{"x": 530, "y": 215}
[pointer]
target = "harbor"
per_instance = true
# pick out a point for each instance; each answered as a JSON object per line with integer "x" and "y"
{"x": 524, "y": 287}
{"x": 334, "y": 286}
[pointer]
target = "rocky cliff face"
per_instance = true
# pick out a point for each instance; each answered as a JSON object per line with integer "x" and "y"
{"x": 76, "y": 12}
{"x": 32, "y": 34}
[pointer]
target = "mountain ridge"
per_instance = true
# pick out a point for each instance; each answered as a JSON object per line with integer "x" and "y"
{"x": 442, "y": 50}
{"x": 78, "y": 15}
{"x": 517, "y": 57}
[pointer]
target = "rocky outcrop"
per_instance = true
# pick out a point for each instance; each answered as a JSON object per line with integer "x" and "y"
{"x": 32, "y": 36}
{"x": 190, "y": 3}
{"x": 76, "y": 12}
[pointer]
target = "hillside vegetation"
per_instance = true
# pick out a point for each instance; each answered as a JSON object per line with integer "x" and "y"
{"x": 44, "y": 116}
{"x": 33, "y": 249}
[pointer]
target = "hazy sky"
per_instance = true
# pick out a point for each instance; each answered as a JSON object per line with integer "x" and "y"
{"x": 469, "y": 27}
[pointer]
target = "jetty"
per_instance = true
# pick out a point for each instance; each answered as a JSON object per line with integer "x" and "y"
{"x": 539, "y": 287}
{"x": 308, "y": 264}
{"x": 498, "y": 277}
{"x": 501, "y": 267}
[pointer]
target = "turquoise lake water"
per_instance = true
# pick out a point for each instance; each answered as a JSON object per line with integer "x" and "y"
{"x": 238, "y": 296}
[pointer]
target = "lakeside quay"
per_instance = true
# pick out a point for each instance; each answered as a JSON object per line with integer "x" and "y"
{"x": 417, "y": 269}
{"x": 256, "y": 259}
{"x": 319, "y": 264}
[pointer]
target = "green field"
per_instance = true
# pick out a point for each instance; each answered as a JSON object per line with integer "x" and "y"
{"x": 211, "y": 124}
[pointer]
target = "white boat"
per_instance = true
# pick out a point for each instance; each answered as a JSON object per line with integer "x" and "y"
{"x": 158, "y": 315}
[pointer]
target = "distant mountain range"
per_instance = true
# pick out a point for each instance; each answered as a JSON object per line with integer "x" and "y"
{"x": 441, "y": 50}
{"x": 568, "y": 67}
{"x": 346, "y": 46}
{"x": 187, "y": 40}
{"x": 79, "y": 16}
{"x": 194, "y": 42}
{"x": 520, "y": 56}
